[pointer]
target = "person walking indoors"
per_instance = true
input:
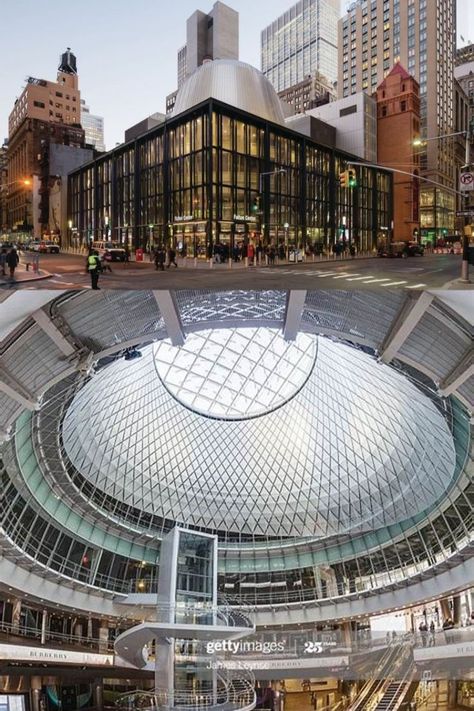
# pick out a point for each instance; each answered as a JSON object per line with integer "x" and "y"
{"x": 94, "y": 268}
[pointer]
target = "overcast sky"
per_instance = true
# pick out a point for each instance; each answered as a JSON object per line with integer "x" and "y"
{"x": 126, "y": 49}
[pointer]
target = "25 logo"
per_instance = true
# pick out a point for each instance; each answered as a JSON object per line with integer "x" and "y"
{"x": 313, "y": 647}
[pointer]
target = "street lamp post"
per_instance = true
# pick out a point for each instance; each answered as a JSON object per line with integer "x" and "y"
{"x": 261, "y": 191}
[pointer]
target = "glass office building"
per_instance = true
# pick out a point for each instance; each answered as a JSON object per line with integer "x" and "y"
{"x": 224, "y": 169}
{"x": 301, "y": 42}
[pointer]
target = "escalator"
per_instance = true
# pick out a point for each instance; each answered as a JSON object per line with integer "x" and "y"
{"x": 390, "y": 683}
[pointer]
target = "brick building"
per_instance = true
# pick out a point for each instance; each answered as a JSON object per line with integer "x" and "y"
{"x": 45, "y": 113}
{"x": 398, "y": 127}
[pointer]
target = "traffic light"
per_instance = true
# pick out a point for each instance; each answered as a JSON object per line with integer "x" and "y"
{"x": 344, "y": 179}
{"x": 256, "y": 205}
{"x": 352, "y": 178}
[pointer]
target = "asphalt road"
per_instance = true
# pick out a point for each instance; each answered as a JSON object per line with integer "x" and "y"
{"x": 430, "y": 271}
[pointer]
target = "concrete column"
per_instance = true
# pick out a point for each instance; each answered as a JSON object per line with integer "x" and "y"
{"x": 97, "y": 695}
{"x": 452, "y": 689}
{"x": 457, "y": 609}
{"x": 445, "y": 609}
{"x": 44, "y": 626}
{"x": 346, "y": 632}
{"x": 103, "y": 639}
{"x": 36, "y": 684}
{"x": 89, "y": 628}
{"x": 16, "y": 615}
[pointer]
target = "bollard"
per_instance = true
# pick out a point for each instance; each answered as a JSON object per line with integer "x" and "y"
{"x": 229, "y": 263}
{"x": 210, "y": 263}
{"x": 465, "y": 256}
{"x": 195, "y": 262}
{"x": 246, "y": 262}
{"x": 27, "y": 266}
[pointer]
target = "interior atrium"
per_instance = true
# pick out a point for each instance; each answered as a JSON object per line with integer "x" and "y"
{"x": 236, "y": 500}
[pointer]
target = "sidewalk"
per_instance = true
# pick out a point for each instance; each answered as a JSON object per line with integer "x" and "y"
{"x": 192, "y": 263}
{"x": 23, "y": 276}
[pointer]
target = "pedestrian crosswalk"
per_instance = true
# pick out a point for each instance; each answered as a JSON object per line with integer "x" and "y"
{"x": 358, "y": 278}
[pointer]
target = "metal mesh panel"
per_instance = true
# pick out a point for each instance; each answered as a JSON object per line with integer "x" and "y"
{"x": 435, "y": 345}
{"x": 9, "y": 409}
{"x": 364, "y": 315}
{"x": 199, "y": 305}
{"x": 112, "y": 317}
{"x": 34, "y": 360}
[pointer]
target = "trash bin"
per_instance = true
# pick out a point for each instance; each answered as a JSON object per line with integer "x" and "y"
{"x": 139, "y": 255}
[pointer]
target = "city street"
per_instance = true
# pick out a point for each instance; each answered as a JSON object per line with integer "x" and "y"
{"x": 431, "y": 271}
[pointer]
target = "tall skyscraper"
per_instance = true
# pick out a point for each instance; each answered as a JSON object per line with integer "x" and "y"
{"x": 464, "y": 73}
{"x": 376, "y": 34}
{"x": 300, "y": 42}
{"x": 93, "y": 128}
{"x": 214, "y": 35}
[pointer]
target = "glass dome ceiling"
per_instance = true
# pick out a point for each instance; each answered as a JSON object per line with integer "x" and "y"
{"x": 235, "y": 373}
{"x": 352, "y": 444}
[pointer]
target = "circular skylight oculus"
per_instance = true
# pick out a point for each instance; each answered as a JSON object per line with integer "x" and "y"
{"x": 235, "y": 373}
{"x": 358, "y": 447}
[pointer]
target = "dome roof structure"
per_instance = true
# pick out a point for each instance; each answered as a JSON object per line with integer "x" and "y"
{"x": 236, "y": 431}
{"x": 234, "y": 83}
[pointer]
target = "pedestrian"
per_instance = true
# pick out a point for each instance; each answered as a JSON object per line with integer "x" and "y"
{"x": 127, "y": 253}
{"x": 94, "y": 268}
{"x": 105, "y": 263}
{"x": 12, "y": 261}
{"x": 3, "y": 260}
{"x": 171, "y": 257}
{"x": 160, "y": 258}
{"x": 352, "y": 251}
{"x": 271, "y": 255}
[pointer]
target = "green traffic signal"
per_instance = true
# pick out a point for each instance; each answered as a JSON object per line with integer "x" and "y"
{"x": 352, "y": 179}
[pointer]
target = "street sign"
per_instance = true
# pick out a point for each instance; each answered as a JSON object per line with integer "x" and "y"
{"x": 465, "y": 213}
{"x": 466, "y": 181}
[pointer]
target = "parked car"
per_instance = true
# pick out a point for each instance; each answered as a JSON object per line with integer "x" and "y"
{"x": 110, "y": 251}
{"x": 401, "y": 249}
{"x": 33, "y": 246}
{"x": 48, "y": 247}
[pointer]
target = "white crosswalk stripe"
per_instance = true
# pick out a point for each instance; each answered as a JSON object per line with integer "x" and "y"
{"x": 346, "y": 276}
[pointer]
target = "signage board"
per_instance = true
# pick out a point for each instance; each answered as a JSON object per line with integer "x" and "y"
{"x": 466, "y": 181}
{"x": 56, "y": 656}
{"x": 245, "y": 218}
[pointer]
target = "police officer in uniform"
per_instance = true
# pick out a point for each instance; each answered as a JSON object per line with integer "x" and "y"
{"x": 94, "y": 268}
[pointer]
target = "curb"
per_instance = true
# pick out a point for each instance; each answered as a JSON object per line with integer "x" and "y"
{"x": 29, "y": 280}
